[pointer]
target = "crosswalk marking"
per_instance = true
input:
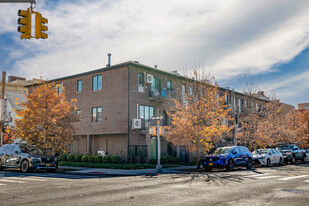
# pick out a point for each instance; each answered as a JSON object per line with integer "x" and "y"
{"x": 2, "y": 184}
{"x": 266, "y": 177}
{"x": 306, "y": 181}
{"x": 14, "y": 181}
{"x": 294, "y": 177}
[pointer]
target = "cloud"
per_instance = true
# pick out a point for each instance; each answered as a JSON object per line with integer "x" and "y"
{"x": 230, "y": 38}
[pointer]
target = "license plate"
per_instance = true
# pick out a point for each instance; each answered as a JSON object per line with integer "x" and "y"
{"x": 48, "y": 165}
{"x": 211, "y": 164}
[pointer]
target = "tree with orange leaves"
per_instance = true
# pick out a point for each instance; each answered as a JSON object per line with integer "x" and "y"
{"x": 46, "y": 119}
{"x": 200, "y": 118}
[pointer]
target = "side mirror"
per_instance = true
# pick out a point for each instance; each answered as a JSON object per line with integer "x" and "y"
{"x": 234, "y": 152}
{"x": 17, "y": 152}
{"x": 295, "y": 149}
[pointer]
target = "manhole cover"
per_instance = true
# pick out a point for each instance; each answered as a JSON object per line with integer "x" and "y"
{"x": 296, "y": 191}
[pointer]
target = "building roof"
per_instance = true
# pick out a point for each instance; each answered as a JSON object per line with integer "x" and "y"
{"x": 138, "y": 65}
{"x": 14, "y": 98}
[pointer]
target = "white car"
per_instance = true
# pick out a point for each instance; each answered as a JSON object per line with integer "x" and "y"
{"x": 267, "y": 157}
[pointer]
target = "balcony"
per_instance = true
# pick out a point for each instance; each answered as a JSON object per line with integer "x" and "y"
{"x": 160, "y": 95}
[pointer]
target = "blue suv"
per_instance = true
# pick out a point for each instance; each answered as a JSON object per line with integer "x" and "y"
{"x": 228, "y": 157}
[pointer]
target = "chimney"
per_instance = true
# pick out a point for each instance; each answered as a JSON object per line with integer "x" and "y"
{"x": 109, "y": 59}
{"x": 156, "y": 66}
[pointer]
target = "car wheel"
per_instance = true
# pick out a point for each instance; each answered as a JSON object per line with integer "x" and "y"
{"x": 24, "y": 166}
{"x": 230, "y": 165}
{"x": 268, "y": 163}
{"x": 52, "y": 171}
{"x": 293, "y": 160}
{"x": 303, "y": 159}
{"x": 1, "y": 168}
{"x": 208, "y": 169}
{"x": 280, "y": 161}
{"x": 249, "y": 163}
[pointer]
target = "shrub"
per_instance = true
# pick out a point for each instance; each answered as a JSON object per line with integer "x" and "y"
{"x": 167, "y": 159}
{"x": 63, "y": 157}
{"x": 107, "y": 158}
{"x": 90, "y": 158}
{"x": 78, "y": 157}
{"x": 85, "y": 158}
{"x": 70, "y": 157}
{"x": 98, "y": 158}
{"x": 153, "y": 161}
{"x": 115, "y": 159}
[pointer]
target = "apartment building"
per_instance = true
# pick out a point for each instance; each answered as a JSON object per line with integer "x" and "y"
{"x": 117, "y": 103}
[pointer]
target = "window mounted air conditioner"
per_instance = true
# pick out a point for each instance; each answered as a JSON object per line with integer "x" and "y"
{"x": 136, "y": 124}
{"x": 149, "y": 79}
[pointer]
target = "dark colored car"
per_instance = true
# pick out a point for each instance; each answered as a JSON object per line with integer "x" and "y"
{"x": 291, "y": 153}
{"x": 26, "y": 157}
{"x": 228, "y": 157}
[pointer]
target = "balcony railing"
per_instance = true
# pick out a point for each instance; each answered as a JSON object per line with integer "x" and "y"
{"x": 160, "y": 95}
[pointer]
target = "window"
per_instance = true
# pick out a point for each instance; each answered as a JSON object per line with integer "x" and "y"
{"x": 246, "y": 104}
{"x": 96, "y": 115}
{"x": 96, "y": 82}
{"x": 169, "y": 86}
{"x": 226, "y": 100}
{"x": 183, "y": 90}
{"x": 235, "y": 105}
{"x": 146, "y": 112}
{"x": 257, "y": 107}
{"x": 140, "y": 79}
{"x": 79, "y": 85}
{"x": 191, "y": 90}
{"x": 156, "y": 87}
{"x": 59, "y": 87}
{"x": 240, "y": 102}
{"x": 78, "y": 112}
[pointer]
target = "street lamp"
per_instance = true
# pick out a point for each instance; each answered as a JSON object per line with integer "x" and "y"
{"x": 159, "y": 166}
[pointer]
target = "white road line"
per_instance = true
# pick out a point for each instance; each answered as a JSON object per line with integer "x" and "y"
{"x": 266, "y": 177}
{"x": 2, "y": 184}
{"x": 14, "y": 181}
{"x": 294, "y": 177}
{"x": 306, "y": 181}
{"x": 28, "y": 178}
{"x": 256, "y": 175}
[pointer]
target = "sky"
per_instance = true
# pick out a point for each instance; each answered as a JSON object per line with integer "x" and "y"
{"x": 240, "y": 42}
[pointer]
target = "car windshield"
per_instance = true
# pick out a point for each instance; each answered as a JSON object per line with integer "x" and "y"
{"x": 285, "y": 147}
{"x": 260, "y": 152}
{"x": 30, "y": 150}
{"x": 223, "y": 150}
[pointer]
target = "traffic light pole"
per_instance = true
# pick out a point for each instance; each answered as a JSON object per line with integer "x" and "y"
{"x": 20, "y": 1}
{"x": 159, "y": 166}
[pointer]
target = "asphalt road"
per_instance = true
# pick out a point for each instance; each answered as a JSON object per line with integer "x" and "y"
{"x": 284, "y": 185}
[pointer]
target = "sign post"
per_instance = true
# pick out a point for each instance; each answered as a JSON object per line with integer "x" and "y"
{"x": 159, "y": 166}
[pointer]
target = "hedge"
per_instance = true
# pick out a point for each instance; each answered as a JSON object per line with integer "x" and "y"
{"x": 63, "y": 157}
{"x": 78, "y": 157}
{"x": 70, "y": 157}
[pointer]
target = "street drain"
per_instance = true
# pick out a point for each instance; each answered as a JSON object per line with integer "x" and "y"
{"x": 296, "y": 191}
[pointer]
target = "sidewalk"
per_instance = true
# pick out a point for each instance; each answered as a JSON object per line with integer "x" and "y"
{"x": 119, "y": 172}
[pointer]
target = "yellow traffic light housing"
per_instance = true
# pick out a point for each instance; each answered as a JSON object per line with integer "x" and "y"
{"x": 40, "y": 26}
{"x": 25, "y": 22}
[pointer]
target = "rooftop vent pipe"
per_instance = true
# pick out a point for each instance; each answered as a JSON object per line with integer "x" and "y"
{"x": 109, "y": 59}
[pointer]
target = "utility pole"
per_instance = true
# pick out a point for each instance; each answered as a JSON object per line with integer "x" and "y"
{"x": 159, "y": 166}
{"x": 2, "y": 101}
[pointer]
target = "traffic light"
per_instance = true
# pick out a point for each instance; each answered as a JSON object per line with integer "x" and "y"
{"x": 25, "y": 22}
{"x": 40, "y": 26}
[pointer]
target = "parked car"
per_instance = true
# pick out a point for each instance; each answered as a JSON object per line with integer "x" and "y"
{"x": 291, "y": 153}
{"x": 307, "y": 155}
{"x": 267, "y": 157}
{"x": 228, "y": 157}
{"x": 26, "y": 157}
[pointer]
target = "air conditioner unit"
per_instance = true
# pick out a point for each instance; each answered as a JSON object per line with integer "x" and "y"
{"x": 149, "y": 79}
{"x": 136, "y": 124}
